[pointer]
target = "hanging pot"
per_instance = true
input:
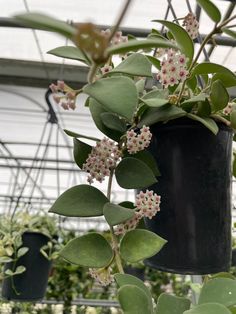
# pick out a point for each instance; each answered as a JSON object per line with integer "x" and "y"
{"x": 195, "y": 189}
{"x": 30, "y": 285}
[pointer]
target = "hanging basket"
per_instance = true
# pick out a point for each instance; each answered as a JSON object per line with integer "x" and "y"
{"x": 30, "y": 285}
{"x": 195, "y": 189}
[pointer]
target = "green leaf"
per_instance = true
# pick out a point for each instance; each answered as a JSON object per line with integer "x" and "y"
{"x": 204, "y": 108}
{"x": 208, "y": 122}
{"x": 234, "y": 165}
{"x": 138, "y": 244}
{"x": 220, "y": 290}
{"x": 69, "y": 52}
{"x": 77, "y": 135}
{"x": 155, "y": 102}
{"x": 22, "y": 251}
{"x": 125, "y": 279}
{"x": 140, "y": 85}
{"x": 134, "y": 45}
{"x": 116, "y": 214}
{"x": 90, "y": 250}
{"x": 149, "y": 160}
{"x": 96, "y": 111}
{"x": 81, "y": 151}
{"x": 223, "y": 275}
{"x": 45, "y": 22}
{"x": 194, "y": 99}
{"x": 219, "y": 96}
{"x": 116, "y": 94}
{"x": 229, "y": 32}
{"x": 192, "y": 83}
{"x": 113, "y": 122}
{"x": 163, "y": 113}
{"x": 19, "y": 270}
{"x": 211, "y": 10}
{"x": 228, "y": 80}
{"x": 208, "y": 308}
{"x": 233, "y": 119}
{"x": 132, "y": 173}
{"x": 209, "y": 68}
{"x": 232, "y": 309}
{"x": 182, "y": 38}
{"x": 155, "y": 62}
{"x": 167, "y": 304}
{"x": 9, "y": 272}
{"x": 133, "y": 300}
{"x": 135, "y": 64}
{"x": 80, "y": 201}
{"x": 5, "y": 259}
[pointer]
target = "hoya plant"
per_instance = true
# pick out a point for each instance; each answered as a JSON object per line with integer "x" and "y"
{"x": 123, "y": 109}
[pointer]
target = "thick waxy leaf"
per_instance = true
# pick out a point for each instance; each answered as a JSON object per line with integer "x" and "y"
{"x": 69, "y": 52}
{"x": 47, "y": 23}
{"x": 90, "y": 250}
{"x": 194, "y": 99}
{"x": 219, "y": 96}
{"x": 192, "y": 83}
{"x": 113, "y": 122}
{"x": 155, "y": 62}
{"x": 209, "y": 67}
{"x": 139, "y": 244}
{"x": 125, "y": 279}
{"x": 140, "y": 85}
{"x": 156, "y": 93}
{"x": 22, "y": 251}
{"x": 132, "y": 173}
{"x": 219, "y": 290}
{"x": 209, "y": 308}
{"x": 133, "y": 300}
{"x": 208, "y": 122}
{"x": 229, "y": 32}
{"x": 80, "y": 201}
{"x": 116, "y": 94}
{"x": 96, "y": 111}
{"x": 227, "y": 79}
{"x": 163, "y": 113}
{"x": 81, "y": 151}
{"x": 134, "y": 45}
{"x": 204, "y": 109}
{"x": 116, "y": 214}
{"x": 155, "y": 102}
{"x": 182, "y": 38}
{"x": 233, "y": 119}
{"x": 136, "y": 65}
{"x": 211, "y": 10}
{"x": 167, "y": 304}
{"x": 77, "y": 135}
{"x": 149, "y": 160}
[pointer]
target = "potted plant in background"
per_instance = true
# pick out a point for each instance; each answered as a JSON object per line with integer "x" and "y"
{"x": 134, "y": 121}
{"x": 27, "y": 244}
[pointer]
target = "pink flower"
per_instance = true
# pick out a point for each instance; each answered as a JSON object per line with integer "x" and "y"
{"x": 148, "y": 203}
{"x": 137, "y": 142}
{"x": 63, "y": 95}
{"x": 191, "y": 25}
{"x": 101, "y": 160}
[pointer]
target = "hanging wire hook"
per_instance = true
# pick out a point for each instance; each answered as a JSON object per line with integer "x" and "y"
{"x": 52, "y": 117}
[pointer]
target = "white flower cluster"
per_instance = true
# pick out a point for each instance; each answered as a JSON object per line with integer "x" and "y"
{"x": 63, "y": 95}
{"x": 101, "y": 160}
{"x": 191, "y": 25}
{"x": 137, "y": 142}
{"x": 148, "y": 204}
{"x": 102, "y": 275}
{"x": 173, "y": 68}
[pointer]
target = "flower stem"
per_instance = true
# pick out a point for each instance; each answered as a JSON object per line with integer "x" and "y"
{"x": 114, "y": 238}
{"x": 92, "y": 72}
{"x": 120, "y": 18}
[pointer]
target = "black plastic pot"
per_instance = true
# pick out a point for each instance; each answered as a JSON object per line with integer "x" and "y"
{"x": 195, "y": 189}
{"x": 135, "y": 271}
{"x": 30, "y": 285}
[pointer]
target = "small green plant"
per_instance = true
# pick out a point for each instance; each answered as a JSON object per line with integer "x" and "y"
{"x": 11, "y": 244}
{"x": 123, "y": 109}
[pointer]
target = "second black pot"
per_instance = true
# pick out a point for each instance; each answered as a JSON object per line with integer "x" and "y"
{"x": 30, "y": 285}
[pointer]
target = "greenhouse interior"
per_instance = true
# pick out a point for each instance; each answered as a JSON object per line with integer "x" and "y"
{"x": 117, "y": 157}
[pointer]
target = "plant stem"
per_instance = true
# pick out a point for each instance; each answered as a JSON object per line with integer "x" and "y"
{"x": 120, "y": 18}
{"x": 114, "y": 238}
{"x": 92, "y": 72}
